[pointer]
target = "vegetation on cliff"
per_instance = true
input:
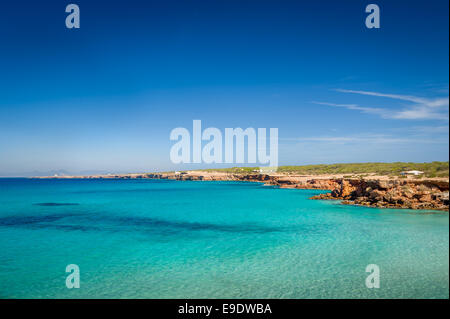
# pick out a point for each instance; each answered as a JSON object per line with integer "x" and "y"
{"x": 433, "y": 169}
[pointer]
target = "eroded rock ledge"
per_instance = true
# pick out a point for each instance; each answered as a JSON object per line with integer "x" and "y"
{"x": 282, "y": 181}
{"x": 413, "y": 194}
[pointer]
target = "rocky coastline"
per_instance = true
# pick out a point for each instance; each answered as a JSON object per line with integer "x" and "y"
{"x": 371, "y": 191}
{"x": 412, "y": 194}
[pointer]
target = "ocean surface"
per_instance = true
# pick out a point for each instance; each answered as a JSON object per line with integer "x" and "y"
{"x": 172, "y": 239}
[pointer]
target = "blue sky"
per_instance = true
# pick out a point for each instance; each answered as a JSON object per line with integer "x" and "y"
{"x": 104, "y": 98}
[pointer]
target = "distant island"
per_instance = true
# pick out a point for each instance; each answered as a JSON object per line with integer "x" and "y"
{"x": 383, "y": 185}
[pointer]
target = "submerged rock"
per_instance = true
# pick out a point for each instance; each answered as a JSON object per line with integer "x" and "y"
{"x": 56, "y": 204}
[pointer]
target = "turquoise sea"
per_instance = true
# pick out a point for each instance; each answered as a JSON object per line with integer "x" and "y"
{"x": 172, "y": 239}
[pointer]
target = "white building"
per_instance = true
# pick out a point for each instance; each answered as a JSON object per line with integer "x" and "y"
{"x": 412, "y": 173}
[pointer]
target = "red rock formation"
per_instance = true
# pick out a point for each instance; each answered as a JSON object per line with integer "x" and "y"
{"x": 414, "y": 194}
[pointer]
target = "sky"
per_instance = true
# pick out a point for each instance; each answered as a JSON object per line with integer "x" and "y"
{"x": 104, "y": 98}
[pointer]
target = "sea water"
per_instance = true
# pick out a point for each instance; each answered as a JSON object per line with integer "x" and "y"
{"x": 190, "y": 239}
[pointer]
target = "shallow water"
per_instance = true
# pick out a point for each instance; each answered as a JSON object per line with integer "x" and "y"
{"x": 171, "y": 239}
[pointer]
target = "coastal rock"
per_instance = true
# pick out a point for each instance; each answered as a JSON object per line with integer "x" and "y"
{"x": 372, "y": 191}
{"x": 425, "y": 194}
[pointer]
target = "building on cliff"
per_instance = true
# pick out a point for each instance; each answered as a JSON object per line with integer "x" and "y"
{"x": 416, "y": 173}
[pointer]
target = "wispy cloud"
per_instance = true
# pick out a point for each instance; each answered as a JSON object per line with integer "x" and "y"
{"x": 422, "y": 130}
{"x": 356, "y": 107}
{"x": 431, "y": 129}
{"x": 437, "y": 102}
{"x": 422, "y": 109}
{"x": 419, "y": 113}
{"x": 373, "y": 139}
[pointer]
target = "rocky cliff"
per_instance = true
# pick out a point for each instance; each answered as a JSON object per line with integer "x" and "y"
{"x": 282, "y": 181}
{"x": 375, "y": 191}
{"x": 388, "y": 193}
{"x": 397, "y": 193}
